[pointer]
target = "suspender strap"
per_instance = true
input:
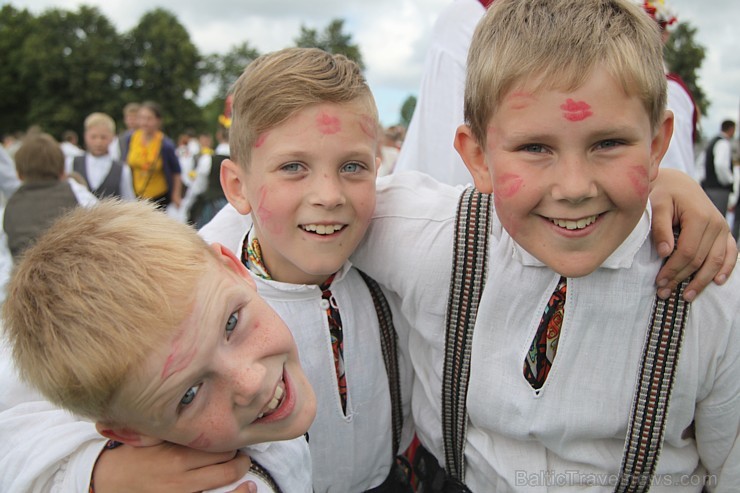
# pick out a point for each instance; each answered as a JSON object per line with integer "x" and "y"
{"x": 265, "y": 475}
{"x": 389, "y": 347}
{"x": 646, "y": 429}
{"x": 472, "y": 230}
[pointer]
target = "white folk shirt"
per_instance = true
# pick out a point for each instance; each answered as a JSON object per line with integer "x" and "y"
{"x": 350, "y": 453}
{"x": 44, "y": 449}
{"x": 576, "y": 426}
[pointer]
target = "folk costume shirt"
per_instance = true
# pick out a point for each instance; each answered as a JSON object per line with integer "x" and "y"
{"x": 572, "y": 432}
{"x": 352, "y": 452}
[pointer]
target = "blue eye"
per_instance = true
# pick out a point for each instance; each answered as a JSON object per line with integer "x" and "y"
{"x": 231, "y": 323}
{"x": 189, "y": 395}
{"x": 351, "y": 167}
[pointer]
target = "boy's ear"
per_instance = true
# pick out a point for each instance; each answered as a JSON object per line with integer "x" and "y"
{"x": 659, "y": 144}
{"x": 232, "y": 263}
{"x": 232, "y": 183}
{"x": 378, "y": 161}
{"x": 126, "y": 435}
{"x": 474, "y": 157}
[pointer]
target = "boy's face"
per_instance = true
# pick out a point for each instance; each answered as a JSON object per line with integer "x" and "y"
{"x": 310, "y": 188}
{"x": 97, "y": 140}
{"x": 570, "y": 171}
{"x": 228, "y": 378}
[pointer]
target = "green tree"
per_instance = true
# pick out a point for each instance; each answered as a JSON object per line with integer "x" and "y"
{"x": 15, "y": 26}
{"x": 223, "y": 70}
{"x": 163, "y": 65}
{"x": 407, "y": 110}
{"x": 332, "y": 40}
{"x": 684, "y": 57}
{"x": 70, "y": 60}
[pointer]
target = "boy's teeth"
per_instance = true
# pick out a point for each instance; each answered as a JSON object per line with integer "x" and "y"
{"x": 579, "y": 224}
{"x": 323, "y": 229}
{"x": 274, "y": 402}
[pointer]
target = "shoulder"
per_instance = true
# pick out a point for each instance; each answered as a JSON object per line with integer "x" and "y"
{"x": 227, "y": 227}
{"x": 415, "y": 195}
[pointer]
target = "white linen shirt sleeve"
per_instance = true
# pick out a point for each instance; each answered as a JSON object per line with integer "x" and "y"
{"x": 43, "y": 449}
{"x": 722, "y": 159}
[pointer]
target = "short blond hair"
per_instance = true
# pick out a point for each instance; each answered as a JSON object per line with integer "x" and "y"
{"x": 556, "y": 44}
{"x": 98, "y": 292}
{"x": 39, "y": 158}
{"x": 100, "y": 120}
{"x": 277, "y": 85}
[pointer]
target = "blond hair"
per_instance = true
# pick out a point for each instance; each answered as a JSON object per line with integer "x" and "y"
{"x": 277, "y": 85}
{"x": 98, "y": 292}
{"x": 100, "y": 120}
{"x": 556, "y": 44}
{"x": 39, "y": 158}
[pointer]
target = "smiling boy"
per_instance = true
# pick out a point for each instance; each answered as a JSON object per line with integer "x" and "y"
{"x": 303, "y": 166}
{"x": 566, "y": 125}
{"x": 174, "y": 346}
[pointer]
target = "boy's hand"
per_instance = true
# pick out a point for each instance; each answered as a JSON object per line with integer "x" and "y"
{"x": 167, "y": 468}
{"x": 705, "y": 245}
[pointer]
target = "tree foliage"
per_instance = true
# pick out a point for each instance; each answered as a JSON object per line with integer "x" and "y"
{"x": 63, "y": 46}
{"x": 163, "y": 66}
{"x": 407, "y": 110}
{"x": 331, "y": 40}
{"x": 15, "y": 26}
{"x": 684, "y": 57}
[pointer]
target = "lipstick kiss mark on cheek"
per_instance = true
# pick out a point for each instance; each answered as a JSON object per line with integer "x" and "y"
{"x": 265, "y": 214}
{"x": 202, "y": 442}
{"x": 328, "y": 124}
{"x": 638, "y": 177}
{"x": 507, "y": 185}
{"x": 576, "y": 111}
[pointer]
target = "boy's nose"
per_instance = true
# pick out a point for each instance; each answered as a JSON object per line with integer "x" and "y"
{"x": 573, "y": 180}
{"x": 327, "y": 191}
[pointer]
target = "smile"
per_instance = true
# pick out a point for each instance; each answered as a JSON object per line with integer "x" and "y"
{"x": 275, "y": 402}
{"x": 574, "y": 224}
{"x": 323, "y": 229}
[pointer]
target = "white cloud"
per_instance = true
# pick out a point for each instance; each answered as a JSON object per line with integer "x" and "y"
{"x": 393, "y": 35}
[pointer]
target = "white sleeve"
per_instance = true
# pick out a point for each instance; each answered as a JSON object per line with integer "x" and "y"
{"x": 127, "y": 184}
{"x": 9, "y": 181}
{"x": 43, "y": 449}
{"x": 84, "y": 196}
{"x": 722, "y": 157}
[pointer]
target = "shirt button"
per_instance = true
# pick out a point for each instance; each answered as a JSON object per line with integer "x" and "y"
{"x": 324, "y": 304}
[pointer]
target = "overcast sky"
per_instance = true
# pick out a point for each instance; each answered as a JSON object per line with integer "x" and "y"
{"x": 393, "y": 35}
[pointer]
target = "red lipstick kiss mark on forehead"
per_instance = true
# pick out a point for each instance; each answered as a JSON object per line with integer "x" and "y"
{"x": 576, "y": 111}
{"x": 368, "y": 126}
{"x": 261, "y": 139}
{"x": 328, "y": 124}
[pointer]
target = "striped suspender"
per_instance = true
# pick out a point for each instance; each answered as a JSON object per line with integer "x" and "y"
{"x": 649, "y": 413}
{"x": 389, "y": 346}
{"x": 265, "y": 475}
{"x": 472, "y": 229}
{"x": 646, "y": 428}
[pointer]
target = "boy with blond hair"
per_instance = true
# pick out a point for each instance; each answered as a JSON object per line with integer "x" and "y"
{"x": 174, "y": 346}
{"x": 105, "y": 176}
{"x": 566, "y": 125}
{"x": 303, "y": 163}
